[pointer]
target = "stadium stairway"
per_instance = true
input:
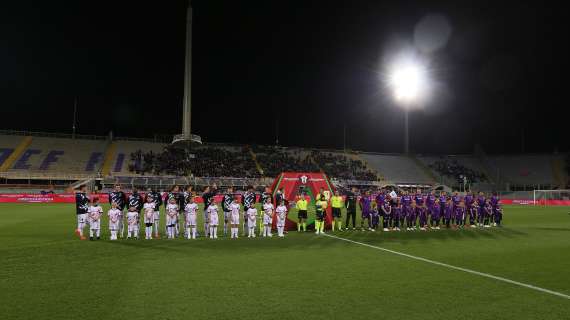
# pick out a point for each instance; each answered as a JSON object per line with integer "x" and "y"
{"x": 356, "y": 157}
{"x": 424, "y": 168}
{"x": 315, "y": 162}
{"x": 108, "y": 160}
{"x": 485, "y": 163}
{"x": 558, "y": 173}
{"x": 22, "y": 146}
{"x": 254, "y": 158}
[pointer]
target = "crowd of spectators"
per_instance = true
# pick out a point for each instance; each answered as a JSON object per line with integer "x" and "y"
{"x": 212, "y": 161}
{"x": 453, "y": 169}
{"x": 200, "y": 162}
{"x": 274, "y": 160}
{"x": 340, "y": 166}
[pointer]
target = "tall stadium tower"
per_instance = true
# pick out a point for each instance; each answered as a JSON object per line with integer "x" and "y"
{"x": 186, "y": 138}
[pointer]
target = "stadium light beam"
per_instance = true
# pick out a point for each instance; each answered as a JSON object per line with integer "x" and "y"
{"x": 408, "y": 81}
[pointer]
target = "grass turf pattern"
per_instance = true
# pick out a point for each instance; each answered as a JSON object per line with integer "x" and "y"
{"x": 47, "y": 273}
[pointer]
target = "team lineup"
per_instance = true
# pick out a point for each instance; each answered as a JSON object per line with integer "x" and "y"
{"x": 386, "y": 210}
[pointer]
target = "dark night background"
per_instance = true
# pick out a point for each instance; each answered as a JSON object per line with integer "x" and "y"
{"x": 311, "y": 64}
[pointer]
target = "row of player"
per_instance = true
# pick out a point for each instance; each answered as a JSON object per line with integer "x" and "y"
{"x": 431, "y": 210}
{"x": 151, "y": 220}
{"x": 389, "y": 209}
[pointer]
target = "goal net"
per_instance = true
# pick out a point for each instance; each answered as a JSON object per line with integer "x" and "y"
{"x": 550, "y": 197}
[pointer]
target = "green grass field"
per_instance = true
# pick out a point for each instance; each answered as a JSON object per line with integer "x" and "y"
{"x": 47, "y": 273}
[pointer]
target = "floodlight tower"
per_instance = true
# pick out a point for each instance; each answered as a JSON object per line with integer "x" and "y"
{"x": 408, "y": 81}
{"x": 185, "y": 139}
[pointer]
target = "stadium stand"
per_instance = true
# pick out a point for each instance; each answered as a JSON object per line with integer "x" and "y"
{"x": 450, "y": 169}
{"x": 53, "y": 159}
{"x": 44, "y": 156}
{"x": 122, "y": 159}
{"x": 397, "y": 168}
{"x": 338, "y": 165}
{"x": 203, "y": 161}
{"x": 274, "y": 160}
{"x": 524, "y": 169}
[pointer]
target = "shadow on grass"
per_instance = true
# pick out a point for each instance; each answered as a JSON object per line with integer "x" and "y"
{"x": 308, "y": 240}
{"x": 413, "y": 237}
{"x": 552, "y": 229}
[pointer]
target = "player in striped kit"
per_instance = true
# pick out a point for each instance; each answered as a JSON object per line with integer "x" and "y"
{"x": 114, "y": 217}
{"x": 183, "y": 201}
{"x": 208, "y": 199}
{"x": 173, "y": 194}
{"x": 248, "y": 203}
{"x": 251, "y": 215}
{"x": 281, "y": 212}
{"x": 263, "y": 200}
{"x": 234, "y": 218}
{"x": 226, "y": 207}
{"x": 148, "y": 209}
{"x": 81, "y": 210}
{"x": 95, "y": 213}
{"x": 119, "y": 197}
{"x": 268, "y": 211}
{"x": 171, "y": 218}
{"x": 190, "y": 218}
{"x": 156, "y": 198}
{"x": 213, "y": 220}
{"x": 133, "y": 224}
{"x": 135, "y": 201}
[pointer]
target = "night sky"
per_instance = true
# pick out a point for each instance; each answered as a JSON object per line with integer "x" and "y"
{"x": 311, "y": 66}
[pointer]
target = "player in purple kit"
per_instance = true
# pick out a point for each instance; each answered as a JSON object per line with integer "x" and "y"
{"x": 455, "y": 199}
{"x": 497, "y": 210}
{"x": 406, "y": 204}
{"x": 480, "y": 204}
{"x": 366, "y": 207}
{"x": 435, "y": 214}
{"x": 460, "y": 214}
{"x": 448, "y": 213}
{"x": 374, "y": 215}
{"x": 469, "y": 208}
{"x": 497, "y": 215}
{"x": 397, "y": 214}
{"x": 419, "y": 197}
{"x": 386, "y": 214}
{"x": 411, "y": 216}
{"x": 421, "y": 213}
{"x": 487, "y": 215}
{"x": 430, "y": 202}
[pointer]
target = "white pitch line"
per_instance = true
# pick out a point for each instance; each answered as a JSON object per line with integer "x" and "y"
{"x": 486, "y": 275}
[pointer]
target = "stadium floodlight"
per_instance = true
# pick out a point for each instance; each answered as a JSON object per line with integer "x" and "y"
{"x": 408, "y": 82}
{"x": 407, "y": 78}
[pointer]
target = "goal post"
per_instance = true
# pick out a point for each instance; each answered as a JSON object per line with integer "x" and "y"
{"x": 550, "y": 197}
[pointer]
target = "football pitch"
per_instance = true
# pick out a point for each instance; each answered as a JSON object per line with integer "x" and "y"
{"x": 513, "y": 272}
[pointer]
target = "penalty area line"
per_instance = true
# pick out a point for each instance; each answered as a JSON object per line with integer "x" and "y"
{"x": 482, "y": 274}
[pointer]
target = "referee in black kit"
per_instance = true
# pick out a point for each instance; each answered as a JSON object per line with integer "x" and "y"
{"x": 350, "y": 204}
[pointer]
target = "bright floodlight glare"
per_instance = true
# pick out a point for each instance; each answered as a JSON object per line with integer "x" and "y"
{"x": 408, "y": 81}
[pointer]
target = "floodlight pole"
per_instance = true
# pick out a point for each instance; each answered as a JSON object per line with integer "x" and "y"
{"x": 185, "y": 139}
{"x": 406, "y": 130}
{"x": 186, "y": 117}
